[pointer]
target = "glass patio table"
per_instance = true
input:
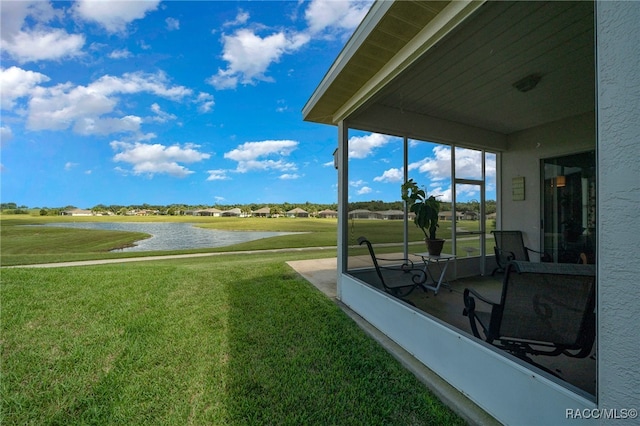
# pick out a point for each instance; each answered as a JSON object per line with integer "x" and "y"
{"x": 442, "y": 262}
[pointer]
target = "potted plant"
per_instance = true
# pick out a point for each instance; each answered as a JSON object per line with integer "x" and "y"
{"x": 426, "y": 210}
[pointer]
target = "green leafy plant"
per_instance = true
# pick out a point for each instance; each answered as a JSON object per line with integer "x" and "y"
{"x": 426, "y": 209}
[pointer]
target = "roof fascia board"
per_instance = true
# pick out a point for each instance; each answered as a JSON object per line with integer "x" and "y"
{"x": 368, "y": 24}
{"x": 450, "y": 17}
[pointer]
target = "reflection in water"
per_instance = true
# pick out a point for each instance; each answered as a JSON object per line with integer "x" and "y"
{"x": 174, "y": 236}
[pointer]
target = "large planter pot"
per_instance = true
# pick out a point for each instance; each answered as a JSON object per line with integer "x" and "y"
{"x": 434, "y": 247}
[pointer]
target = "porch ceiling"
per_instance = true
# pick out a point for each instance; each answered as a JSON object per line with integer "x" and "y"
{"x": 467, "y": 77}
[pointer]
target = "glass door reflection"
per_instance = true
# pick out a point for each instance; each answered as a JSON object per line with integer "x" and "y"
{"x": 569, "y": 208}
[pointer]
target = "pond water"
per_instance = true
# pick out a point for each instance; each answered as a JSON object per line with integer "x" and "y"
{"x": 174, "y": 236}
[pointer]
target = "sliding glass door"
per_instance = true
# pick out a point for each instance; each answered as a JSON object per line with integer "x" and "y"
{"x": 569, "y": 207}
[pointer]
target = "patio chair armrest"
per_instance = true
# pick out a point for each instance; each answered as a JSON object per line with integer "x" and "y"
{"x": 470, "y": 311}
{"x": 545, "y": 257}
{"x": 478, "y": 295}
{"x": 508, "y": 255}
{"x": 407, "y": 264}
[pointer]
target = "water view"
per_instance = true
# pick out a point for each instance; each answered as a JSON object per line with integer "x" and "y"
{"x": 175, "y": 236}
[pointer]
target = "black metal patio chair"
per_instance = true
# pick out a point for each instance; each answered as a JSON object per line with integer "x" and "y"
{"x": 510, "y": 246}
{"x": 545, "y": 309}
{"x": 402, "y": 276}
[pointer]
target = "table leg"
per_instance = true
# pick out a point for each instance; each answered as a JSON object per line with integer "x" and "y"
{"x": 443, "y": 271}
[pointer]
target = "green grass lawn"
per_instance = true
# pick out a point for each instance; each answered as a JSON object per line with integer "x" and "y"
{"x": 224, "y": 340}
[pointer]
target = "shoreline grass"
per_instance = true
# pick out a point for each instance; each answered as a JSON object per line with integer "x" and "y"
{"x": 224, "y": 340}
{"x": 23, "y": 244}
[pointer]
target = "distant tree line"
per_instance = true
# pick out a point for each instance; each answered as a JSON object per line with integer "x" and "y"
{"x": 468, "y": 206}
{"x": 275, "y": 208}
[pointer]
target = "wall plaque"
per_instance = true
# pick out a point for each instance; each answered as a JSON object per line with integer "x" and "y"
{"x": 517, "y": 188}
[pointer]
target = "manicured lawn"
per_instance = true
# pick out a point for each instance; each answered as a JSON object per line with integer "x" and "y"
{"x": 225, "y": 340}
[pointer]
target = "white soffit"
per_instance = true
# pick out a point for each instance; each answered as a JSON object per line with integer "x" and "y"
{"x": 458, "y": 62}
{"x": 449, "y": 18}
{"x": 388, "y": 28}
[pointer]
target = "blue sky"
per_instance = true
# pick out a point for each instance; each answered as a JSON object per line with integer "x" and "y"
{"x": 178, "y": 102}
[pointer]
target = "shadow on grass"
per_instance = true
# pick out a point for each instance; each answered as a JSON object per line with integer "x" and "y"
{"x": 296, "y": 358}
{"x": 197, "y": 341}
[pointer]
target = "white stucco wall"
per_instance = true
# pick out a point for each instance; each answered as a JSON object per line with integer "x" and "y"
{"x": 618, "y": 153}
{"x": 526, "y": 149}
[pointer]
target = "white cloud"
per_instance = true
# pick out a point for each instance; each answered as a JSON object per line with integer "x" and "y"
{"x": 218, "y": 174}
{"x": 241, "y": 18}
{"x": 338, "y": 16}
{"x": 290, "y": 176}
{"x": 16, "y": 83}
{"x": 6, "y": 134}
{"x": 356, "y": 183}
{"x": 249, "y": 55}
{"x": 120, "y": 54}
{"x": 442, "y": 194}
{"x": 255, "y": 155}
{"x": 390, "y": 176}
{"x": 437, "y": 167}
{"x": 172, "y": 24}
{"x": 468, "y": 191}
{"x": 282, "y": 105}
{"x": 363, "y": 146}
{"x": 113, "y": 16}
{"x": 468, "y": 165}
{"x": 364, "y": 190}
{"x": 157, "y": 84}
{"x": 205, "y": 102}
{"x": 83, "y": 107}
{"x": 151, "y": 159}
{"x": 108, "y": 125}
{"x": 41, "y": 45}
{"x": 161, "y": 116}
{"x": 27, "y": 37}
{"x": 69, "y": 165}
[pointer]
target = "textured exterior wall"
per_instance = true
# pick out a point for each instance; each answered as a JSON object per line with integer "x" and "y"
{"x": 618, "y": 151}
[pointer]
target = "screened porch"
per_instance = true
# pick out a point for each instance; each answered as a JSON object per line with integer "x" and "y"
{"x": 446, "y": 307}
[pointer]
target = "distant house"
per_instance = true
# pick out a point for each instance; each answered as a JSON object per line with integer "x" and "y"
{"x": 328, "y": 213}
{"x": 363, "y": 214}
{"x": 297, "y": 212}
{"x": 392, "y": 214}
{"x": 446, "y": 215}
{"x": 263, "y": 212}
{"x": 232, "y": 212}
{"x": 208, "y": 212}
{"x": 76, "y": 212}
{"x": 468, "y": 215}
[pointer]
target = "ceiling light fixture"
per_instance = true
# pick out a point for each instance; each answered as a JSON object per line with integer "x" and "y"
{"x": 527, "y": 83}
